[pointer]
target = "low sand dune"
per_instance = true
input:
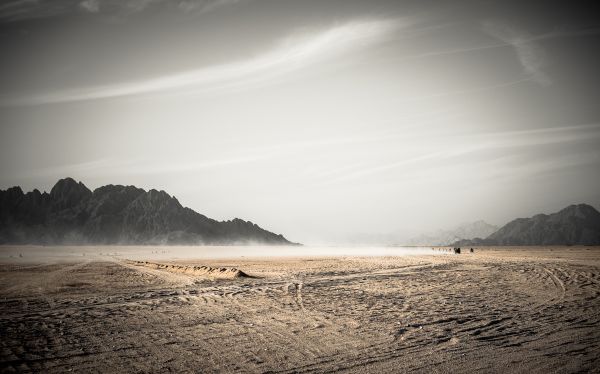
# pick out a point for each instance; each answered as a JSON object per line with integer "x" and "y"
{"x": 199, "y": 271}
{"x": 526, "y": 310}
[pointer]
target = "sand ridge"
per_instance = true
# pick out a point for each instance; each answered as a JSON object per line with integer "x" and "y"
{"x": 200, "y": 271}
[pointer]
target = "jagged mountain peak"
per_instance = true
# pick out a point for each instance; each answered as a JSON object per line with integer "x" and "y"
{"x": 68, "y": 193}
{"x": 574, "y": 225}
{"x": 579, "y": 211}
{"x": 68, "y": 185}
{"x": 112, "y": 214}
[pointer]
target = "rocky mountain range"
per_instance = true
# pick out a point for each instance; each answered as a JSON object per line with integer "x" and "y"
{"x": 573, "y": 225}
{"x": 464, "y": 231}
{"x": 114, "y": 214}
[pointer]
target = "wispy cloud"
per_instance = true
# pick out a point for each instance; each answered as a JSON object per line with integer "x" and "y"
{"x": 530, "y": 55}
{"x": 414, "y": 160}
{"x": 117, "y": 167}
{"x": 22, "y": 10}
{"x": 19, "y": 10}
{"x": 92, "y": 6}
{"x": 293, "y": 54}
{"x": 205, "y": 6}
{"x": 472, "y": 144}
{"x": 502, "y": 43}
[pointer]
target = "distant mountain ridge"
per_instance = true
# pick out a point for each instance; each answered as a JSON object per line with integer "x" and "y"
{"x": 114, "y": 214}
{"x": 573, "y": 225}
{"x": 469, "y": 230}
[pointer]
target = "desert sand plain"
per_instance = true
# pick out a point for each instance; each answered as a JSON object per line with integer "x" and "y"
{"x": 103, "y": 309}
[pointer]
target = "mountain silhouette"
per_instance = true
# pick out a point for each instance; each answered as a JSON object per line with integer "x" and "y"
{"x": 114, "y": 214}
{"x": 573, "y": 225}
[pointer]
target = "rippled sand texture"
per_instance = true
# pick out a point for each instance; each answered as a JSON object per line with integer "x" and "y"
{"x": 512, "y": 310}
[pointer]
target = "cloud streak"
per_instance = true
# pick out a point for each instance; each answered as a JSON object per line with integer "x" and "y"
{"x": 23, "y": 10}
{"x": 20, "y": 10}
{"x": 205, "y": 6}
{"x": 292, "y": 55}
{"x": 530, "y": 55}
{"x": 92, "y": 6}
{"x": 471, "y": 144}
{"x": 413, "y": 160}
{"x": 115, "y": 167}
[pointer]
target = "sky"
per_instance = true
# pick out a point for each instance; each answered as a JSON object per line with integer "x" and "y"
{"x": 326, "y": 121}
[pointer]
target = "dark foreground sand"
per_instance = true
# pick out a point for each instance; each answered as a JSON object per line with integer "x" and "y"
{"x": 512, "y": 310}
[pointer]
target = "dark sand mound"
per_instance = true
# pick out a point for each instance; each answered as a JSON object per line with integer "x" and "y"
{"x": 201, "y": 271}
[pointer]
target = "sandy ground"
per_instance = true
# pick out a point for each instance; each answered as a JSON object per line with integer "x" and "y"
{"x": 534, "y": 310}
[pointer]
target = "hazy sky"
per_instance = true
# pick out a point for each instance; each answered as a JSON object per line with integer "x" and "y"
{"x": 320, "y": 120}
